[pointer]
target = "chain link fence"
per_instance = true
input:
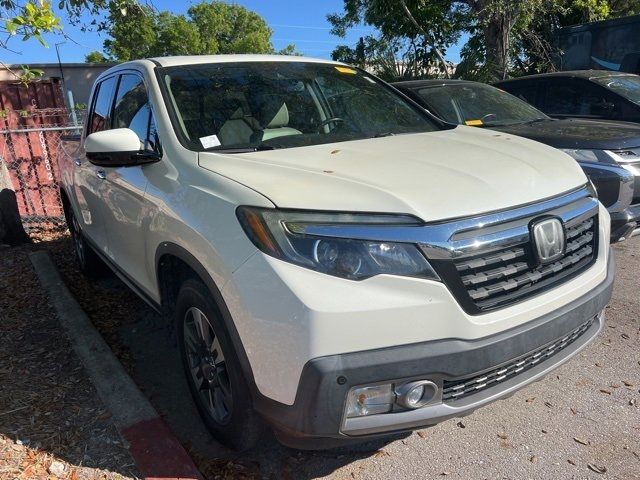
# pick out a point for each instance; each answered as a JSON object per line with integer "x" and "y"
{"x": 29, "y": 165}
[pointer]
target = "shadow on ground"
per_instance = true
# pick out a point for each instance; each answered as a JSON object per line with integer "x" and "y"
{"x": 147, "y": 348}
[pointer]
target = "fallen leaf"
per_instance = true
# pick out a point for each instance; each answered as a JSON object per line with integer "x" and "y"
{"x": 572, "y": 462}
{"x": 627, "y": 383}
{"x": 421, "y": 433}
{"x": 533, "y": 458}
{"x": 548, "y": 404}
{"x": 530, "y": 399}
{"x": 598, "y": 365}
{"x": 461, "y": 425}
{"x": 502, "y": 436}
{"x": 597, "y": 469}
{"x": 573, "y": 410}
{"x": 543, "y": 431}
{"x": 608, "y": 392}
{"x": 581, "y": 441}
{"x": 625, "y": 336}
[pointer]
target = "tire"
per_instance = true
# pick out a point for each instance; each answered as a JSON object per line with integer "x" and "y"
{"x": 224, "y": 400}
{"x": 91, "y": 265}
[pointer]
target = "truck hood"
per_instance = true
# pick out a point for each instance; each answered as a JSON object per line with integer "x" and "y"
{"x": 434, "y": 176}
{"x": 579, "y": 134}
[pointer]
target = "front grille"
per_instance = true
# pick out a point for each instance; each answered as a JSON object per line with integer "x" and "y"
{"x": 505, "y": 276}
{"x": 492, "y": 264}
{"x": 458, "y": 389}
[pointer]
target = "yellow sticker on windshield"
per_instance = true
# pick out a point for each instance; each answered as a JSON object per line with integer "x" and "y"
{"x": 346, "y": 70}
{"x": 473, "y": 123}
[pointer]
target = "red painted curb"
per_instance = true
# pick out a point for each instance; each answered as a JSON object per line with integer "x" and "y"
{"x": 157, "y": 452}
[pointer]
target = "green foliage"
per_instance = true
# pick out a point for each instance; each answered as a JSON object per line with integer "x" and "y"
{"x": 31, "y": 20}
{"x": 506, "y": 37}
{"x": 440, "y": 21}
{"x": 95, "y": 57}
{"x": 208, "y": 28}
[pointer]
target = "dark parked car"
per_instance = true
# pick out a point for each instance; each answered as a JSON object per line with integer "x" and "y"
{"x": 598, "y": 146}
{"x": 592, "y": 94}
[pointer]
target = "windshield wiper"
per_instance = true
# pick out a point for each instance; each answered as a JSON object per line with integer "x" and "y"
{"x": 257, "y": 148}
{"x": 383, "y": 134}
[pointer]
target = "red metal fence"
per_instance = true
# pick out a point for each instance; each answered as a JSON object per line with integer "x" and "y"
{"x": 33, "y": 118}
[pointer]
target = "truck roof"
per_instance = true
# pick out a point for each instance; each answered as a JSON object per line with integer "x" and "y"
{"x": 203, "y": 59}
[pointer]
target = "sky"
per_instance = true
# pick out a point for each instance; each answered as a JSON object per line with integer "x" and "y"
{"x": 301, "y": 22}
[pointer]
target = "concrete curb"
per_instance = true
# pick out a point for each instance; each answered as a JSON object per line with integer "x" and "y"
{"x": 154, "y": 448}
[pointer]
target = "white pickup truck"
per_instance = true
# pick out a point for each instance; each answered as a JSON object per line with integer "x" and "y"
{"x": 338, "y": 264}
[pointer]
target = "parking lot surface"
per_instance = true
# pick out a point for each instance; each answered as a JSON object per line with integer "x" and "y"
{"x": 52, "y": 423}
{"x": 582, "y": 421}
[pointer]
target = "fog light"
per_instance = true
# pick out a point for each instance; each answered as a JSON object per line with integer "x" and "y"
{"x": 416, "y": 394}
{"x": 370, "y": 400}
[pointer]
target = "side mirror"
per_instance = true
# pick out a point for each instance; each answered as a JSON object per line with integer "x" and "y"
{"x": 119, "y": 147}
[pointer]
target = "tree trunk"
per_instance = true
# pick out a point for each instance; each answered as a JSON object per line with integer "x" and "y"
{"x": 497, "y": 19}
{"x": 496, "y": 38}
{"x": 11, "y": 230}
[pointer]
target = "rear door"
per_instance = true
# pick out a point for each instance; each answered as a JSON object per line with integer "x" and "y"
{"x": 88, "y": 178}
{"x": 127, "y": 213}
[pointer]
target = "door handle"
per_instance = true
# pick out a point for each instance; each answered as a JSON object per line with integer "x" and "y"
{"x": 101, "y": 174}
{"x": 77, "y": 162}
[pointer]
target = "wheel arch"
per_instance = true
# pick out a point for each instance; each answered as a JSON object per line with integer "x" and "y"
{"x": 173, "y": 265}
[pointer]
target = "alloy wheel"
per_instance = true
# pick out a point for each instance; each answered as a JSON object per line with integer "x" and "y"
{"x": 207, "y": 365}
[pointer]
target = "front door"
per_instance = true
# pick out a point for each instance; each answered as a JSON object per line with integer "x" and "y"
{"x": 127, "y": 214}
{"x": 89, "y": 178}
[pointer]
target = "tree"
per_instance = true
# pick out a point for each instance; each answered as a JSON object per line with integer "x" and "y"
{"x": 415, "y": 31}
{"x": 504, "y": 35}
{"x": 208, "y": 28}
{"x": 95, "y": 57}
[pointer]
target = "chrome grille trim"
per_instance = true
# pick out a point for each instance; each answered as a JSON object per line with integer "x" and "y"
{"x": 455, "y": 238}
{"x": 458, "y": 389}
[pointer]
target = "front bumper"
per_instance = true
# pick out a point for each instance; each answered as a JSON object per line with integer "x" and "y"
{"x": 625, "y": 224}
{"x": 316, "y": 419}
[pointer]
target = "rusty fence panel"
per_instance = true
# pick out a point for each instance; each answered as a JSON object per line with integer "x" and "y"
{"x": 29, "y": 157}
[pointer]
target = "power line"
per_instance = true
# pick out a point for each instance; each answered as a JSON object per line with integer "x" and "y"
{"x": 310, "y": 27}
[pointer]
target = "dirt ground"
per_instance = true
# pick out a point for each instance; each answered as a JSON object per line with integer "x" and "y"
{"x": 52, "y": 424}
{"x": 583, "y": 421}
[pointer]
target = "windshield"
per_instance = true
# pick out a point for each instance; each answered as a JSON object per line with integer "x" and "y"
{"x": 626, "y": 85}
{"x": 477, "y": 105}
{"x": 263, "y": 105}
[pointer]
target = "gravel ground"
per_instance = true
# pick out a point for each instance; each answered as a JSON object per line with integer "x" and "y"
{"x": 583, "y": 421}
{"x": 52, "y": 424}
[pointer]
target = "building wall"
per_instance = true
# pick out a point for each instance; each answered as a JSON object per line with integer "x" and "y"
{"x": 78, "y": 77}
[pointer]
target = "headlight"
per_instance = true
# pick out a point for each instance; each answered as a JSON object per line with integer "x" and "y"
{"x": 282, "y": 234}
{"x": 581, "y": 155}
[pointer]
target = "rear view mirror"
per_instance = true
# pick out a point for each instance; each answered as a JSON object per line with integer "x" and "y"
{"x": 119, "y": 147}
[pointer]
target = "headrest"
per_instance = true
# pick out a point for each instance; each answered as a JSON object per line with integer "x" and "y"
{"x": 272, "y": 112}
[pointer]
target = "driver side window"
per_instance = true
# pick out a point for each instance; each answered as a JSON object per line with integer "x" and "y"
{"x": 132, "y": 110}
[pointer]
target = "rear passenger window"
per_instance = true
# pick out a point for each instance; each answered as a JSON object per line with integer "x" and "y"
{"x": 102, "y": 106}
{"x": 576, "y": 98}
{"x": 132, "y": 110}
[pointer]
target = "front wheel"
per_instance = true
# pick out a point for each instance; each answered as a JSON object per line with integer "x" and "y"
{"x": 213, "y": 370}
